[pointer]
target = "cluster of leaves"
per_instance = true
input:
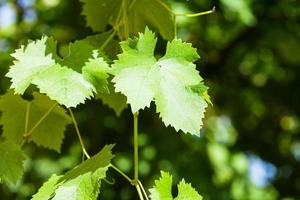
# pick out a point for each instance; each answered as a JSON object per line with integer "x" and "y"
{"x": 136, "y": 78}
{"x": 172, "y": 83}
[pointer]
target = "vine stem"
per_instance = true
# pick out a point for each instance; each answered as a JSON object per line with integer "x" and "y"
{"x": 138, "y": 189}
{"x": 86, "y": 153}
{"x": 78, "y": 134}
{"x": 143, "y": 190}
{"x": 121, "y": 173}
{"x": 136, "y": 148}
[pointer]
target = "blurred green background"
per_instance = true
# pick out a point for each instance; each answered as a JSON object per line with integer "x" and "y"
{"x": 249, "y": 148}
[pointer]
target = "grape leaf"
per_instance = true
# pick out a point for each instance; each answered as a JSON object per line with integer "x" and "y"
{"x": 13, "y": 108}
{"x": 172, "y": 82}
{"x": 163, "y": 189}
{"x": 60, "y": 83}
{"x": 50, "y": 131}
{"x": 187, "y": 192}
{"x": 11, "y": 162}
{"x": 30, "y": 61}
{"x": 100, "y": 160}
{"x": 111, "y": 49}
{"x": 47, "y": 189}
{"x": 140, "y": 14}
{"x": 64, "y": 85}
{"x": 114, "y": 100}
{"x": 84, "y": 187}
{"x": 136, "y": 72}
{"x": 81, "y": 182}
{"x": 100, "y": 13}
{"x": 96, "y": 72}
{"x": 79, "y": 53}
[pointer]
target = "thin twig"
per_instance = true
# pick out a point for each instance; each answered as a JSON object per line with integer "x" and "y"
{"x": 139, "y": 192}
{"x": 78, "y": 134}
{"x": 143, "y": 190}
{"x": 136, "y": 147}
{"x": 122, "y": 173}
{"x": 196, "y": 14}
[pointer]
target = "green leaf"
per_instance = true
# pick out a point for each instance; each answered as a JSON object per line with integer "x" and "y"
{"x": 114, "y": 100}
{"x": 140, "y": 14}
{"x": 48, "y": 133}
{"x": 81, "y": 182}
{"x": 100, "y": 13}
{"x": 163, "y": 189}
{"x": 30, "y": 61}
{"x": 13, "y": 108}
{"x": 79, "y": 53}
{"x": 111, "y": 49}
{"x": 176, "y": 97}
{"x": 48, "y": 188}
{"x": 170, "y": 82}
{"x": 96, "y": 72}
{"x": 64, "y": 85}
{"x": 11, "y": 162}
{"x": 83, "y": 187}
{"x": 187, "y": 192}
{"x": 100, "y": 160}
{"x": 136, "y": 72}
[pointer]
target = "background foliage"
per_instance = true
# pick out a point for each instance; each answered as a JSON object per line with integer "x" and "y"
{"x": 249, "y": 147}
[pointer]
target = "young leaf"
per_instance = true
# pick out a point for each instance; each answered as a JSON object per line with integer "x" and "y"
{"x": 11, "y": 162}
{"x": 64, "y": 85}
{"x": 81, "y": 182}
{"x": 30, "y": 61}
{"x": 170, "y": 82}
{"x": 84, "y": 187}
{"x": 48, "y": 188}
{"x": 163, "y": 189}
{"x": 96, "y": 72}
{"x": 114, "y": 100}
{"x": 136, "y": 72}
{"x": 48, "y": 133}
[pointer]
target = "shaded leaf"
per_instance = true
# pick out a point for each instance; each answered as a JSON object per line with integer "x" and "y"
{"x": 11, "y": 162}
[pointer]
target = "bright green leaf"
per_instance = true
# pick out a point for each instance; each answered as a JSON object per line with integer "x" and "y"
{"x": 48, "y": 188}
{"x": 11, "y": 162}
{"x": 30, "y": 61}
{"x": 163, "y": 189}
{"x": 187, "y": 192}
{"x": 96, "y": 72}
{"x": 64, "y": 85}
{"x": 83, "y": 187}
{"x": 169, "y": 81}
